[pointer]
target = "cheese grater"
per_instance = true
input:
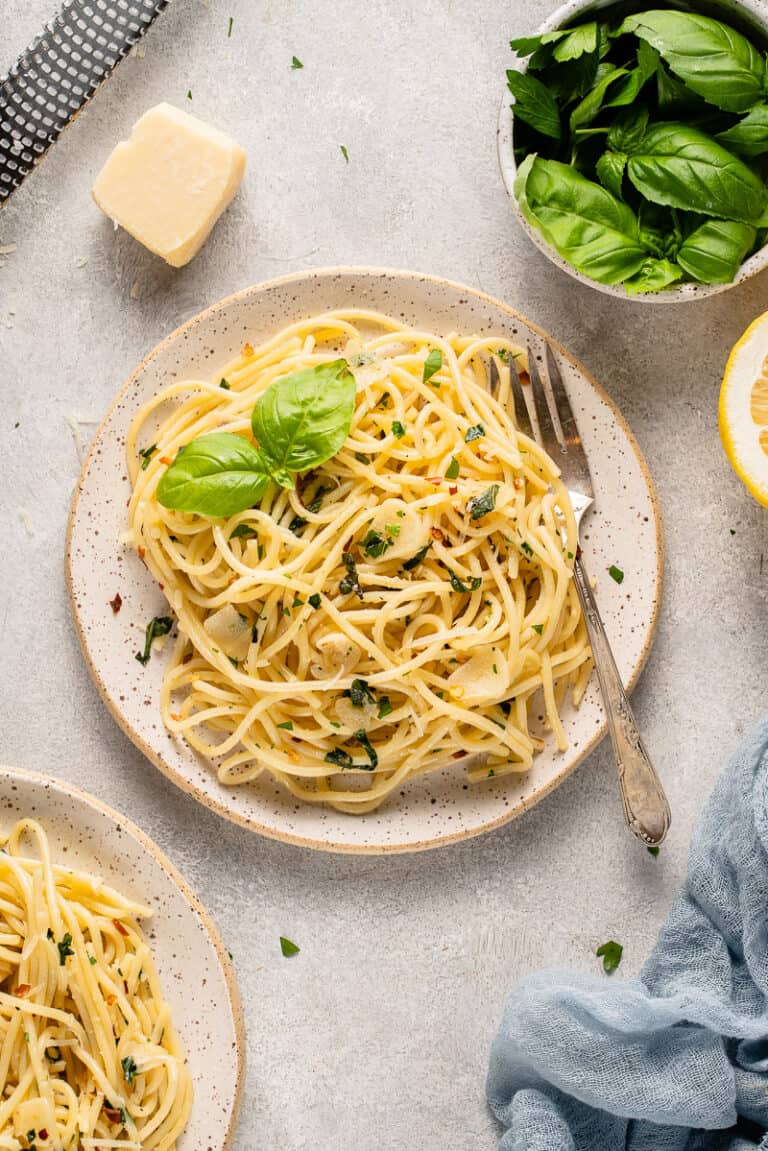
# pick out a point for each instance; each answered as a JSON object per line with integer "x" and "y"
{"x": 59, "y": 72}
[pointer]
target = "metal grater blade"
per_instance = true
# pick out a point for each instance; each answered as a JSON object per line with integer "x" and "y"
{"x": 59, "y": 72}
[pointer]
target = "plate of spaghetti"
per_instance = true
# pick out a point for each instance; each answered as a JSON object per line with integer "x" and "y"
{"x": 119, "y": 1017}
{"x": 324, "y": 582}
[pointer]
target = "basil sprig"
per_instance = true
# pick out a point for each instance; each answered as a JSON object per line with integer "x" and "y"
{"x": 640, "y": 147}
{"x": 299, "y": 422}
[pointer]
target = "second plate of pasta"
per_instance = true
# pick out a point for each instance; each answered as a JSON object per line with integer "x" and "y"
{"x": 341, "y": 609}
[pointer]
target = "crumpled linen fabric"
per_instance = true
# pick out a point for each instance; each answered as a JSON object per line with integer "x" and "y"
{"x": 676, "y": 1060}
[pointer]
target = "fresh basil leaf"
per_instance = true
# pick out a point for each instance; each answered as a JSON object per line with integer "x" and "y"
{"x": 370, "y": 751}
{"x": 750, "y": 136}
{"x": 684, "y": 168}
{"x": 714, "y": 253}
{"x": 415, "y": 560}
{"x": 628, "y": 129}
{"x": 572, "y": 80}
{"x": 628, "y": 90}
{"x": 576, "y": 42}
{"x": 303, "y": 419}
{"x": 610, "y": 171}
{"x": 647, "y": 59}
{"x": 659, "y": 230}
{"x": 588, "y": 226}
{"x": 654, "y": 275}
{"x": 586, "y": 110}
{"x": 360, "y": 693}
{"x": 218, "y": 475}
{"x": 534, "y": 103}
{"x": 711, "y": 58}
{"x": 672, "y": 96}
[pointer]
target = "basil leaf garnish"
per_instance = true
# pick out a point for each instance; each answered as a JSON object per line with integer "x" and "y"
{"x": 303, "y": 419}
{"x": 750, "y": 136}
{"x": 219, "y": 474}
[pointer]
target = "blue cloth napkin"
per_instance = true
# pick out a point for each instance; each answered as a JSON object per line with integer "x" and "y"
{"x": 676, "y": 1060}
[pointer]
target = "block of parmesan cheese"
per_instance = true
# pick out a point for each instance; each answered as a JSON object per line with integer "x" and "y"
{"x": 169, "y": 183}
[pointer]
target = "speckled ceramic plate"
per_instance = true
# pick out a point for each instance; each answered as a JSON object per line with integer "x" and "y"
{"x": 432, "y": 810}
{"x": 195, "y": 972}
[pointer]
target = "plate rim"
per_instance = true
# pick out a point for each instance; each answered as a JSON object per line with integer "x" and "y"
{"x": 194, "y": 902}
{"x": 253, "y": 825}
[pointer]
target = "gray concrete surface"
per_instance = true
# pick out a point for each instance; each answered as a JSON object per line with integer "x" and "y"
{"x": 377, "y": 1034}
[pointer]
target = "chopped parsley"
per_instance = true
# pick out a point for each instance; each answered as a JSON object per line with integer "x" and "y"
{"x": 653, "y": 850}
{"x": 392, "y": 529}
{"x": 414, "y": 561}
{"x": 503, "y": 355}
{"x": 432, "y": 364}
{"x": 452, "y": 471}
{"x": 340, "y": 758}
{"x": 65, "y": 949}
{"x": 229, "y": 29}
{"x": 296, "y": 63}
{"x": 398, "y": 431}
{"x": 362, "y": 458}
{"x": 385, "y": 707}
{"x": 384, "y": 401}
{"x": 374, "y": 544}
{"x": 225, "y": 384}
{"x": 314, "y": 601}
{"x": 158, "y": 626}
{"x": 242, "y": 531}
{"x": 481, "y": 505}
{"x": 146, "y": 455}
{"x": 457, "y": 585}
{"x": 538, "y": 627}
{"x": 616, "y": 573}
{"x": 287, "y": 726}
{"x": 189, "y": 93}
{"x": 297, "y": 602}
{"x": 369, "y": 750}
{"x": 526, "y": 548}
{"x": 129, "y": 1067}
{"x": 344, "y": 152}
{"x": 360, "y": 693}
{"x": 288, "y": 948}
{"x": 610, "y": 953}
{"x": 296, "y": 524}
{"x": 92, "y": 960}
{"x": 476, "y": 432}
{"x": 350, "y": 582}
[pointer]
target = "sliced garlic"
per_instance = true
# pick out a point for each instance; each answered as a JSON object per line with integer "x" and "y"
{"x": 229, "y": 631}
{"x": 484, "y": 678}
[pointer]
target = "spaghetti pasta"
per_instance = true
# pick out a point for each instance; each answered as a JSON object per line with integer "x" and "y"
{"x": 88, "y": 1054}
{"x": 404, "y": 605}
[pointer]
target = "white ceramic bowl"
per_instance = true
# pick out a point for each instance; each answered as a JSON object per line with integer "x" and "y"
{"x": 747, "y": 15}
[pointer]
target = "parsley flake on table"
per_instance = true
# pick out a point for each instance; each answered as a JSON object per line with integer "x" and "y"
{"x": 610, "y": 953}
{"x": 344, "y": 152}
{"x": 288, "y": 948}
{"x": 654, "y": 850}
{"x": 189, "y": 93}
{"x": 616, "y": 573}
{"x": 296, "y": 63}
{"x": 229, "y": 29}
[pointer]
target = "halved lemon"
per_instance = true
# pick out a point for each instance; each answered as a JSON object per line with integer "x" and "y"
{"x": 743, "y": 411}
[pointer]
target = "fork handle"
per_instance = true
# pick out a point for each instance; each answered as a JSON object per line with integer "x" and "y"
{"x": 646, "y": 809}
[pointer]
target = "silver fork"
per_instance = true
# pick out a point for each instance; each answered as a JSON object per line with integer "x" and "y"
{"x": 646, "y": 809}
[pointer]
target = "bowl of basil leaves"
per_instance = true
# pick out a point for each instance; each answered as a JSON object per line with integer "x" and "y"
{"x": 636, "y": 150}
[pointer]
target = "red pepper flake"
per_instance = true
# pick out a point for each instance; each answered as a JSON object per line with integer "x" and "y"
{"x": 116, "y": 603}
{"x": 43, "y": 1134}
{"x": 459, "y": 754}
{"x": 141, "y": 552}
{"x": 175, "y": 715}
{"x": 113, "y": 1115}
{"x": 437, "y": 535}
{"x": 434, "y": 479}
{"x": 125, "y": 985}
{"x": 247, "y": 349}
{"x": 111, "y": 1000}
{"x": 120, "y": 927}
{"x": 453, "y": 489}
{"x": 23, "y": 990}
{"x": 166, "y": 460}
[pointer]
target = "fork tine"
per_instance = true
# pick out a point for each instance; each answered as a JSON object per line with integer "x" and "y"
{"x": 522, "y": 417}
{"x": 547, "y": 433}
{"x": 495, "y": 378}
{"x": 563, "y": 409}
